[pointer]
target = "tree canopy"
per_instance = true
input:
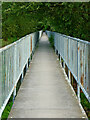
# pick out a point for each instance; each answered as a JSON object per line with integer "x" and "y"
{"x": 21, "y": 18}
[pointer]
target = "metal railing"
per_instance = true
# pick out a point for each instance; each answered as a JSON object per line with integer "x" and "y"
{"x": 76, "y": 56}
{"x": 13, "y": 59}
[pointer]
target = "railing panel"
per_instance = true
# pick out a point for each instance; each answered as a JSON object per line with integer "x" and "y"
{"x": 13, "y": 59}
{"x": 7, "y": 73}
{"x": 83, "y": 71}
{"x": 73, "y": 57}
{"x": 76, "y": 55}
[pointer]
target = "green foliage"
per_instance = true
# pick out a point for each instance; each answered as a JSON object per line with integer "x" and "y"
{"x": 7, "y": 109}
{"x": 21, "y": 18}
{"x": 51, "y": 39}
{"x": 9, "y": 105}
{"x": 8, "y": 41}
{"x": 86, "y": 105}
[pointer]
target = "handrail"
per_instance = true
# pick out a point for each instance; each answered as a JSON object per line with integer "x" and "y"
{"x": 13, "y": 59}
{"x": 76, "y": 39}
{"x": 76, "y": 56}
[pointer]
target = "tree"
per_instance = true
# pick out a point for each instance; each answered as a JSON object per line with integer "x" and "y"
{"x": 21, "y": 18}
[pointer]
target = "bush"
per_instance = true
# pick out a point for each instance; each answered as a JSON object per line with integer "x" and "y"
{"x": 51, "y": 39}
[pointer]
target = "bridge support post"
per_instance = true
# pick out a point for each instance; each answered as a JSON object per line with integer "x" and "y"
{"x": 22, "y": 75}
{"x": 26, "y": 66}
{"x": 14, "y": 93}
{"x": 29, "y": 61}
{"x": 64, "y": 65}
{"x": 60, "y": 59}
{"x": 69, "y": 76}
{"x": 78, "y": 92}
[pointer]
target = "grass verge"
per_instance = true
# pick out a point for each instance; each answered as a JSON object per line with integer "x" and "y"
{"x": 85, "y": 103}
{"x": 9, "y": 105}
{"x": 7, "y": 109}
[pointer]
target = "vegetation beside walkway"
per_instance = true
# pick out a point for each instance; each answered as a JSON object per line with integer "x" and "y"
{"x": 21, "y": 18}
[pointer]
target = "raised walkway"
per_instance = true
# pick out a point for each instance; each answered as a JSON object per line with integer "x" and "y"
{"x": 45, "y": 92}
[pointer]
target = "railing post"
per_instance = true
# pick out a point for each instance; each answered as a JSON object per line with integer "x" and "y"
{"x": 31, "y": 44}
{"x": 69, "y": 74}
{"x": 64, "y": 65}
{"x": 0, "y": 84}
{"x": 27, "y": 66}
{"x": 1, "y": 74}
{"x": 89, "y": 69}
{"x": 14, "y": 92}
{"x": 78, "y": 69}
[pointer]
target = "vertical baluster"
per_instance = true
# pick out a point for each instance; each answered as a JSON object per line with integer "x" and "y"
{"x": 14, "y": 92}
{"x": 78, "y": 70}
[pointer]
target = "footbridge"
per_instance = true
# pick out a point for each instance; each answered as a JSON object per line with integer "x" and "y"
{"x": 51, "y": 80}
